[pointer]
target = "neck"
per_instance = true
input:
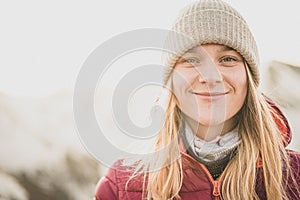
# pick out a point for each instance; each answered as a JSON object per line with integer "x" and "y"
{"x": 210, "y": 132}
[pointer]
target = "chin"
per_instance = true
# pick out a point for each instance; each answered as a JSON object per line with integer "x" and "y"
{"x": 210, "y": 121}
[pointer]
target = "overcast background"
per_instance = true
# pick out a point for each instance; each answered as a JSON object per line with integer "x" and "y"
{"x": 43, "y": 45}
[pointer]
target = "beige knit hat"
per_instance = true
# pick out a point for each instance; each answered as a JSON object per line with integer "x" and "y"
{"x": 211, "y": 21}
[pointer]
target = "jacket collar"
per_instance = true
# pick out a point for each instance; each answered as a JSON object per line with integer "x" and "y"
{"x": 281, "y": 121}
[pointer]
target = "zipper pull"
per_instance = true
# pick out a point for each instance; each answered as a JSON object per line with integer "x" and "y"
{"x": 216, "y": 191}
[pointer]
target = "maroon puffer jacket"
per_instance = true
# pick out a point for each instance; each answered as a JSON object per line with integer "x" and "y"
{"x": 197, "y": 181}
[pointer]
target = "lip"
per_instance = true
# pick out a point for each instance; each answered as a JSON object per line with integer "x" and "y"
{"x": 210, "y": 95}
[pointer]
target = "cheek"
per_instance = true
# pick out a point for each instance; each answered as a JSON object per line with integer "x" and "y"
{"x": 237, "y": 78}
{"x": 238, "y": 81}
{"x": 181, "y": 83}
{"x": 182, "y": 80}
{"x": 241, "y": 82}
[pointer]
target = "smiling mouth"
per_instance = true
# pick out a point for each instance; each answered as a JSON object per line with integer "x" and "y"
{"x": 210, "y": 94}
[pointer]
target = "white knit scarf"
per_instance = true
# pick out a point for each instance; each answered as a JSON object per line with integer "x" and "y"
{"x": 210, "y": 151}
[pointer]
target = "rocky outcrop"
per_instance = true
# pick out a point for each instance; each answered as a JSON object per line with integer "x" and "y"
{"x": 282, "y": 84}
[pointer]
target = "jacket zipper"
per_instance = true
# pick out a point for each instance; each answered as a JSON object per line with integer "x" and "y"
{"x": 215, "y": 183}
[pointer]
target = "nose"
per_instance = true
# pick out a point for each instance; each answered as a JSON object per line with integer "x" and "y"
{"x": 209, "y": 74}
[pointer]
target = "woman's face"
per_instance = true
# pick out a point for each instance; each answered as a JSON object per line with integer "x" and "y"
{"x": 210, "y": 84}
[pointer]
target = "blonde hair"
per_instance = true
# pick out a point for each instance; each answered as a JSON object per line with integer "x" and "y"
{"x": 260, "y": 138}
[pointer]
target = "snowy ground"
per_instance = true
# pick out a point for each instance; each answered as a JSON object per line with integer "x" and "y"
{"x": 41, "y": 156}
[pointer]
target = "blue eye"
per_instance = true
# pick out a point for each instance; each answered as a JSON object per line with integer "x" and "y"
{"x": 192, "y": 60}
{"x": 228, "y": 59}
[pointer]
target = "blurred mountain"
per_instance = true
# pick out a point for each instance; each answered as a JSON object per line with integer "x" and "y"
{"x": 41, "y": 157}
{"x": 282, "y": 84}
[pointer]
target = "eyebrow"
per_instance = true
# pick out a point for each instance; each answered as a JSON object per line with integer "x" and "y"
{"x": 225, "y": 48}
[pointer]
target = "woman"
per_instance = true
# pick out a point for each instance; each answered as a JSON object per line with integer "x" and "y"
{"x": 231, "y": 139}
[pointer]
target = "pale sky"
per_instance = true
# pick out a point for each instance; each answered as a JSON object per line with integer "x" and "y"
{"x": 44, "y": 43}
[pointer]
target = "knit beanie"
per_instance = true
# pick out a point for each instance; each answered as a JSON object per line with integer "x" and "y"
{"x": 211, "y": 22}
